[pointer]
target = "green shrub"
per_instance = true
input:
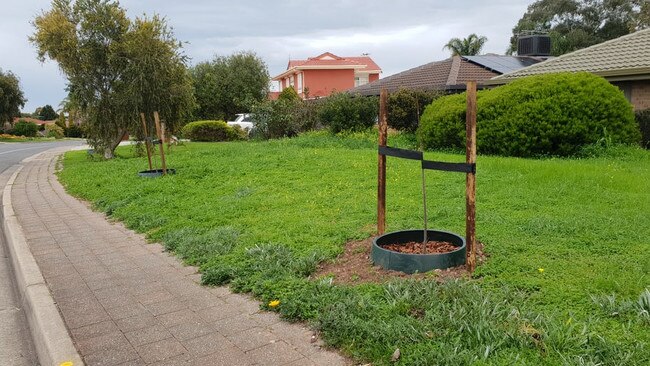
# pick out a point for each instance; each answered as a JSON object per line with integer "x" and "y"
{"x": 552, "y": 114}
{"x": 74, "y": 131}
{"x": 285, "y": 117}
{"x": 24, "y": 128}
{"x": 52, "y": 130}
{"x": 289, "y": 94}
{"x": 643, "y": 119}
{"x": 406, "y": 106}
{"x": 212, "y": 131}
{"x": 345, "y": 112}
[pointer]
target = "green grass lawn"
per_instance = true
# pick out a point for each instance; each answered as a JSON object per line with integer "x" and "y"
{"x": 261, "y": 215}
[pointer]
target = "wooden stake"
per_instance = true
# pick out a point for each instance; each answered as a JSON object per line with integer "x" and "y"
{"x": 161, "y": 134}
{"x": 470, "y": 192}
{"x": 381, "y": 177}
{"x": 146, "y": 139}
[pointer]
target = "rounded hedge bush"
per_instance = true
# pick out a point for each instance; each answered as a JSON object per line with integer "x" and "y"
{"x": 212, "y": 131}
{"x": 553, "y": 114}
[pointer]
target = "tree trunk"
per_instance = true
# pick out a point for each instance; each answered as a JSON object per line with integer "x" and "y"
{"x": 109, "y": 152}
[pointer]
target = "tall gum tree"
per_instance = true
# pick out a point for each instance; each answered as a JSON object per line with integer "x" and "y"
{"x": 576, "y": 24}
{"x": 115, "y": 67}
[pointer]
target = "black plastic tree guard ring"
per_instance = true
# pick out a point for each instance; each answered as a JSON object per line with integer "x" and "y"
{"x": 417, "y": 263}
{"x": 155, "y": 173}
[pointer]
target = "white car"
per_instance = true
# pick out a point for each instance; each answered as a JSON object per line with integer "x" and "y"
{"x": 242, "y": 120}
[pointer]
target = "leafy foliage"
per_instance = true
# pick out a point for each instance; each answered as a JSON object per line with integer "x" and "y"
{"x": 405, "y": 107}
{"x": 229, "y": 85}
{"x": 285, "y": 117}
{"x": 212, "y": 131}
{"x": 289, "y": 94}
{"x": 73, "y": 131}
{"x": 47, "y": 113}
{"x": 52, "y": 130}
{"x": 346, "y": 112}
{"x": 116, "y": 68}
{"x": 643, "y": 119}
{"x": 576, "y": 24}
{"x": 470, "y": 46}
{"x": 24, "y": 128}
{"x": 11, "y": 97}
{"x": 552, "y": 114}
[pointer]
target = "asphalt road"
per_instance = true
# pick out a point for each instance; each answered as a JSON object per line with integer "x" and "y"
{"x": 15, "y": 340}
{"x": 14, "y": 152}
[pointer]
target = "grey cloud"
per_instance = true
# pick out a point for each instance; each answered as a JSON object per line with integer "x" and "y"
{"x": 397, "y": 34}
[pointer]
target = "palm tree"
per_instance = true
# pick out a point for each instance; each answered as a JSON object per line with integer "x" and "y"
{"x": 469, "y": 46}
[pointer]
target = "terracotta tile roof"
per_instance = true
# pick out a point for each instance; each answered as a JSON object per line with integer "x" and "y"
{"x": 617, "y": 58}
{"x": 365, "y": 60}
{"x": 449, "y": 74}
{"x": 33, "y": 120}
{"x": 362, "y": 63}
{"x": 317, "y": 62}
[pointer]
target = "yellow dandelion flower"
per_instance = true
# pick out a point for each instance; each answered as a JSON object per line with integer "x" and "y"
{"x": 541, "y": 270}
{"x": 67, "y": 363}
{"x": 274, "y": 303}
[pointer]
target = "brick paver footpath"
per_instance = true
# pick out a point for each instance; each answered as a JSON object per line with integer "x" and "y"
{"x": 126, "y": 302}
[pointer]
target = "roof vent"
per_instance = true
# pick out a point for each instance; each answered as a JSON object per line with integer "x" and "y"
{"x": 534, "y": 45}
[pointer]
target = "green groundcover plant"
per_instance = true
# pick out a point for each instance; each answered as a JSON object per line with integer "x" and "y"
{"x": 553, "y": 114}
{"x": 563, "y": 237}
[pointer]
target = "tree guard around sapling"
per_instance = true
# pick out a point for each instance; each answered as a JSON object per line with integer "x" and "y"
{"x": 466, "y": 248}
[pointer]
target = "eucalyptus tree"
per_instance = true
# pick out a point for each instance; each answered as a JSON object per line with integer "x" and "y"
{"x": 116, "y": 68}
{"x": 576, "y": 24}
{"x": 470, "y": 46}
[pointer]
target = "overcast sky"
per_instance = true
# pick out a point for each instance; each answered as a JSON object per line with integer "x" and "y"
{"x": 398, "y": 34}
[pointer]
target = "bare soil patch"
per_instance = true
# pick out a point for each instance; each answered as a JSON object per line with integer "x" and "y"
{"x": 354, "y": 266}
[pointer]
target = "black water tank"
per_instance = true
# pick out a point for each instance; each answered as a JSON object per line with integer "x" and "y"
{"x": 534, "y": 45}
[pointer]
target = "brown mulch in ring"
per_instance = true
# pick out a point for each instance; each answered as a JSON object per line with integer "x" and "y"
{"x": 354, "y": 266}
{"x": 415, "y": 247}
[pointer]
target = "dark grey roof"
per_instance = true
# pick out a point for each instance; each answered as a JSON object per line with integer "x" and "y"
{"x": 621, "y": 58}
{"x": 503, "y": 64}
{"x": 451, "y": 74}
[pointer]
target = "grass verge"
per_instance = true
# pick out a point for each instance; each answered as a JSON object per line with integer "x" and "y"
{"x": 563, "y": 236}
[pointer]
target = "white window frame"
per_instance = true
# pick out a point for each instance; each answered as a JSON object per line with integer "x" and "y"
{"x": 300, "y": 82}
{"x": 360, "y": 79}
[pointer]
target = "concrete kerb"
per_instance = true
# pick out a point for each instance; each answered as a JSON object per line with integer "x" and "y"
{"x": 51, "y": 339}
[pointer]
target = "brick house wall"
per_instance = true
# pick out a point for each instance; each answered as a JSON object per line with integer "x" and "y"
{"x": 640, "y": 95}
{"x": 637, "y": 92}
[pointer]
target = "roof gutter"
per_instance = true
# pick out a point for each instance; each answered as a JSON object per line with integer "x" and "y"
{"x": 642, "y": 73}
{"x": 316, "y": 67}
